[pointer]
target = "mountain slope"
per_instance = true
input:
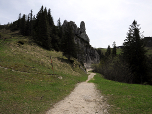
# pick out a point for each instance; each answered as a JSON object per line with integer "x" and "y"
{"x": 28, "y": 83}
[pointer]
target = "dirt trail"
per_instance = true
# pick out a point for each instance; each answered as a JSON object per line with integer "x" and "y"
{"x": 84, "y": 99}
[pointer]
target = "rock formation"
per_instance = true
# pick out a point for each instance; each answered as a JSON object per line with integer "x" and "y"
{"x": 88, "y": 54}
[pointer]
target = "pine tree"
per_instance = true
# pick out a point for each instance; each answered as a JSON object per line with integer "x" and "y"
{"x": 134, "y": 53}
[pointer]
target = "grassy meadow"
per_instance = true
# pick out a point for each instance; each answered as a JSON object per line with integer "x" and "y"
{"x": 105, "y": 49}
{"x": 125, "y": 98}
{"x": 27, "y": 82}
{"x": 149, "y": 50}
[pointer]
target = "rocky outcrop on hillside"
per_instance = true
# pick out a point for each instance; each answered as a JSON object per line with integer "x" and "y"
{"x": 88, "y": 54}
{"x": 79, "y": 32}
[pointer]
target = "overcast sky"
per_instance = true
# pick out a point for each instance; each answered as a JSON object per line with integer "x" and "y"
{"x": 106, "y": 21}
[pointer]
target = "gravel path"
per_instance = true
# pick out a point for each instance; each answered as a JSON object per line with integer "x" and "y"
{"x": 84, "y": 99}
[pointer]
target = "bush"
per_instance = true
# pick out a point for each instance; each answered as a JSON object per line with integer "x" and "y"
{"x": 114, "y": 69}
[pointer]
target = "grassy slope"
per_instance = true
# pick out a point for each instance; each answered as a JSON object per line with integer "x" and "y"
{"x": 125, "y": 98}
{"x": 37, "y": 90}
{"x": 149, "y": 50}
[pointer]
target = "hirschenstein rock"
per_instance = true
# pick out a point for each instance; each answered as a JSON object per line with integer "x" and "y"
{"x": 88, "y": 54}
{"x": 83, "y": 32}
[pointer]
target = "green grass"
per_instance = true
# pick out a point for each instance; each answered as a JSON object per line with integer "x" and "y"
{"x": 125, "y": 98}
{"x": 118, "y": 51}
{"x": 105, "y": 49}
{"x": 149, "y": 50}
{"x": 33, "y": 87}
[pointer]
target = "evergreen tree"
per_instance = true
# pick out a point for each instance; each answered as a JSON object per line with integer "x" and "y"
{"x": 19, "y": 21}
{"x": 134, "y": 53}
{"x": 42, "y": 29}
{"x": 69, "y": 46}
{"x": 108, "y": 52}
{"x": 50, "y": 18}
{"x": 23, "y": 25}
{"x": 59, "y": 28}
{"x": 60, "y": 33}
{"x": 27, "y": 29}
{"x": 100, "y": 53}
{"x": 114, "y": 49}
{"x": 53, "y": 32}
{"x": 31, "y": 24}
{"x": 55, "y": 38}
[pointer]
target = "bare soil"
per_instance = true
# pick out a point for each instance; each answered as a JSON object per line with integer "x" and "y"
{"x": 84, "y": 99}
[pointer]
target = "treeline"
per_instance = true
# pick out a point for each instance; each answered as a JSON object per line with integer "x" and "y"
{"x": 41, "y": 27}
{"x": 133, "y": 65}
{"x": 42, "y": 30}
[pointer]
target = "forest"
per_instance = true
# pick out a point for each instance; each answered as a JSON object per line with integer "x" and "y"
{"x": 44, "y": 32}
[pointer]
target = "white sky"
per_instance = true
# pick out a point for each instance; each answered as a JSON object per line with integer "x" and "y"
{"x": 106, "y": 20}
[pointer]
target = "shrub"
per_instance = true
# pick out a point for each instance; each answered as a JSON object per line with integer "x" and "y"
{"x": 114, "y": 69}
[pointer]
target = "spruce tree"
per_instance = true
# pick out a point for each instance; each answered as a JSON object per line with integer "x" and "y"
{"x": 23, "y": 25}
{"x": 134, "y": 53}
{"x": 114, "y": 49}
{"x": 27, "y": 29}
{"x": 50, "y": 18}
{"x": 108, "y": 52}
{"x": 60, "y": 34}
{"x": 31, "y": 24}
{"x": 69, "y": 46}
{"x": 59, "y": 28}
{"x": 19, "y": 21}
{"x": 42, "y": 29}
{"x": 55, "y": 38}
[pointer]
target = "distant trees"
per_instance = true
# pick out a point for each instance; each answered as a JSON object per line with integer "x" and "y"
{"x": 114, "y": 49}
{"x": 131, "y": 65}
{"x": 108, "y": 52}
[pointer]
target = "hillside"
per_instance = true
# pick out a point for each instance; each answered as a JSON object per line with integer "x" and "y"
{"x": 28, "y": 83}
{"x": 149, "y": 50}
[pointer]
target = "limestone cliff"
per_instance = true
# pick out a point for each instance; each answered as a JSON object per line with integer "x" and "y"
{"x": 88, "y": 53}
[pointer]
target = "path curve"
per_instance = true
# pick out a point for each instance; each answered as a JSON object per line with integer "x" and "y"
{"x": 84, "y": 99}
